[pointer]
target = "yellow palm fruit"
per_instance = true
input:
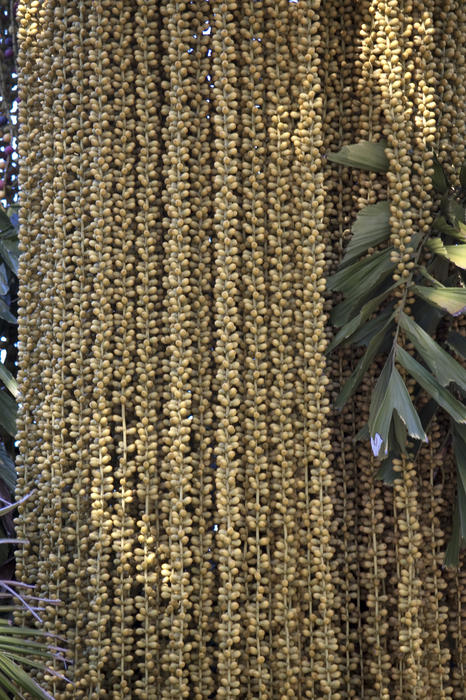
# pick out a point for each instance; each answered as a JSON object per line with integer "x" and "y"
{"x": 425, "y": 77}
{"x": 64, "y": 337}
{"x": 283, "y": 515}
{"x": 209, "y": 527}
{"x": 346, "y": 99}
{"x": 434, "y": 611}
{"x": 372, "y": 527}
{"x": 311, "y": 380}
{"x": 454, "y": 578}
{"x": 51, "y": 475}
{"x": 33, "y": 35}
{"x": 147, "y": 309}
{"x": 256, "y": 370}
{"x": 411, "y": 674}
{"x": 459, "y": 611}
{"x": 449, "y": 22}
{"x": 229, "y": 491}
{"x": 407, "y": 88}
{"x": 76, "y": 499}
{"x": 177, "y": 324}
{"x": 101, "y": 447}
{"x": 455, "y": 631}
{"x": 203, "y": 594}
{"x": 370, "y": 187}
{"x": 454, "y": 594}
{"x": 124, "y": 524}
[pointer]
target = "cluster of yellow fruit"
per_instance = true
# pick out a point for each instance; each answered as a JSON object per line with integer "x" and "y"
{"x": 210, "y": 527}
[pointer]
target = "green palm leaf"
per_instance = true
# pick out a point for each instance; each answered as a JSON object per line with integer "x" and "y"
{"x": 372, "y": 226}
{"x": 363, "y": 155}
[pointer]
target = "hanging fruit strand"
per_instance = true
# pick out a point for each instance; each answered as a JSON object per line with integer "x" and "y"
{"x": 30, "y": 93}
{"x": 309, "y": 208}
{"x": 373, "y": 566}
{"x": 123, "y": 206}
{"x": 76, "y": 501}
{"x": 101, "y": 447}
{"x": 340, "y": 113}
{"x": 200, "y": 167}
{"x": 434, "y": 612}
{"x": 283, "y": 515}
{"x": 147, "y": 298}
{"x": 177, "y": 466}
{"x": 255, "y": 372}
{"x": 229, "y": 492}
{"x": 409, "y": 585}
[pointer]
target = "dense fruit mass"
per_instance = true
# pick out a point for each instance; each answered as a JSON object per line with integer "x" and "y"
{"x": 211, "y": 527}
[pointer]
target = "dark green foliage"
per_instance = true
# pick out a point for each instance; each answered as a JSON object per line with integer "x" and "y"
{"x": 8, "y": 291}
{"x": 369, "y": 316}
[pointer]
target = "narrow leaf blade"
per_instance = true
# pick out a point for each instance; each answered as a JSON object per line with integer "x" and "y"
{"x": 428, "y": 382}
{"x": 459, "y": 448}
{"x": 363, "y": 155}
{"x": 9, "y": 252}
{"x": 386, "y": 472}
{"x": 389, "y": 396}
{"x": 9, "y": 381}
{"x": 358, "y": 295}
{"x": 454, "y": 253}
{"x": 372, "y": 226}
{"x": 24, "y": 681}
{"x": 395, "y": 398}
{"x": 440, "y": 224}
{"x": 450, "y": 299}
{"x": 349, "y": 278}
{"x": 452, "y": 554}
{"x": 361, "y": 368}
{"x": 439, "y": 179}
{"x": 8, "y": 410}
{"x": 5, "y": 222}
{"x": 461, "y": 499}
{"x": 441, "y": 364}
{"x": 457, "y": 343}
{"x": 345, "y": 333}
{"x": 7, "y": 469}
{"x": 6, "y": 314}
{"x": 463, "y": 176}
{"x": 380, "y": 410}
{"x": 457, "y": 255}
{"x": 366, "y": 332}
